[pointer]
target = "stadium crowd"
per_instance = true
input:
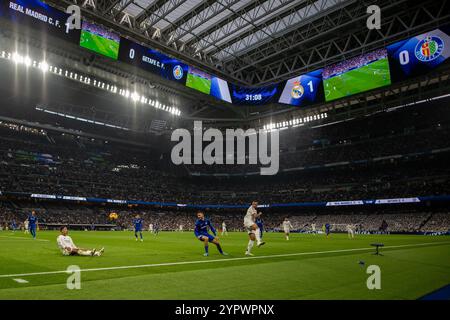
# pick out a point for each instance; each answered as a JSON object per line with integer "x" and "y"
{"x": 78, "y": 216}
{"x": 399, "y": 157}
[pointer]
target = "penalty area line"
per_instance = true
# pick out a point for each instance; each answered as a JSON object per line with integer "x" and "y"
{"x": 165, "y": 264}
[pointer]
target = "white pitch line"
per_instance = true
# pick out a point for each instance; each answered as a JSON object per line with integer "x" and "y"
{"x": 20, "y": 281}
{"x": 22, "y": 238}
{"x": 218, "y": 260}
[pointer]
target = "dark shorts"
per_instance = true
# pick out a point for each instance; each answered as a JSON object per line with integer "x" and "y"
{"x": 201, "y": 235}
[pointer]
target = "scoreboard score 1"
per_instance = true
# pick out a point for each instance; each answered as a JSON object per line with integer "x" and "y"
{"x": 39, "y": 16}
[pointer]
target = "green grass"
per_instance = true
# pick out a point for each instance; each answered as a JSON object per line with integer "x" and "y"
{"x": 99, "y": 44}
{"x": 198, "y": 83}
{"x": 406, "y": 272}
{"x": 372, "y": 76}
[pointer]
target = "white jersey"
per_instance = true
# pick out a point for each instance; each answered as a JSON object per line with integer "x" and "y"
{"x": 25, "y": 224}
{"x": 349, "y": 228}
{"x": 249, "y": 219}
{"x": 224, "y": 226}
{"x": 150, "y": 227}
{"x": 313, "y": 227}
{"x": 65, "y": 242}
{"x": 287, "y": 226}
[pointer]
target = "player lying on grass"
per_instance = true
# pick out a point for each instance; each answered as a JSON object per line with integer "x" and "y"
{"x": 253, "y": 230}
{"x": 68, "y": 248}
{"x": 201, "y": 232}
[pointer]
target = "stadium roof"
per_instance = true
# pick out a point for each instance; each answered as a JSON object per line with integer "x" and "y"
{"x": 257, "y": 42}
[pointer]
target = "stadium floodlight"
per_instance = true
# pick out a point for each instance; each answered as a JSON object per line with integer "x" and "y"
{"x": 135, "y": 96}
{"x": 27, "y": 61}
{"x": 43, "y": 65}
{"x": 17, "y": 58}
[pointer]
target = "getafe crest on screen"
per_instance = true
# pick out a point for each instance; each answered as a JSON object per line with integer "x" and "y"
{"x": 429, "y": 48}
{"x": 178, "y": 72}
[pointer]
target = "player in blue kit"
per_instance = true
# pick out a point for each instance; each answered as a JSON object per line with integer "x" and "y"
{"x": 138, "y": 222}
{"x": 327, "y": 229}
{"x": 13, "y": 225}
{"x": 259, "y": 222}
{"x": 201, "y": 232}
{"x": 32, "y": 223}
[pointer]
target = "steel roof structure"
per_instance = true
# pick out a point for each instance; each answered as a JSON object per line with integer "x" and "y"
{"x": 257, "y": 42}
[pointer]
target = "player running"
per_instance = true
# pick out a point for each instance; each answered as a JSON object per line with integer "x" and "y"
{"x": 287, "y": 226}
{"x": 327, "y": 229}
{"x": 68, "y": 248}
{"x": 138, "y": 222}
{"x": 260, "y": 223}
{"x": 224, "y": 229}
{"x": 33, "y": 223}
{"x": 313, "y": 228}
{"x": 201, "y": 232}
{"x": 253, "y": 230}
{"x": 351, "y": 231}
{"x": 26, "y": 227}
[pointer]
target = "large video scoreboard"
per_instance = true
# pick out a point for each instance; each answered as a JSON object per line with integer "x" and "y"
{"x": 372, "y": 70}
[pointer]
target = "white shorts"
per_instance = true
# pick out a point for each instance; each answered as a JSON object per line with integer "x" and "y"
{"x": 248, "y": 223}
{"x": 287, "y": 230}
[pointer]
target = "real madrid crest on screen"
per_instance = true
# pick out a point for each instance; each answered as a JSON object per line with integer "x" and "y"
{"x": 297, "y": 90}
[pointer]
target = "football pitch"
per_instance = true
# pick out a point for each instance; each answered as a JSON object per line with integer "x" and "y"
{"x": 198, "y": 83}
{"x": 171, "y": 266}
{"x": 372, "y": 76}
{"x": 99, "y": 44}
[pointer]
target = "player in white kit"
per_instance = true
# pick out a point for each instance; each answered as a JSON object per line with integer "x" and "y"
{"x": 224, "y": 228}
{"x": 287, "y": 226}
{"x": 313, "y": 228}
{"x": 350, "y": 231}
{"x": 253, "y": 230}
{"x": 150, "y": 227}
{"x": 26, "y": 227}
{"x": 68, "y": 248}
{"x": 181, "y": 228}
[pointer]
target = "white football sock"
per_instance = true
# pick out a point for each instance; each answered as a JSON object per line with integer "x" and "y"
{"x": 250, "y": 246}
{"x": 258, "y": 235}
{"x": 84, "y": 252}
